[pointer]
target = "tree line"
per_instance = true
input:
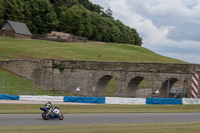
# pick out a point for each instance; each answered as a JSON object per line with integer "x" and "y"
{"x": 78, "y": 17}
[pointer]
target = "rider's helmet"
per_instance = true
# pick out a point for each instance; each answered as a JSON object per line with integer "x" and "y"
{"x": 48, "y": 104}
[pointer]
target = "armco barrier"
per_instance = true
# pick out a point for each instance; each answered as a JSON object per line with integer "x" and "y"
{"x": 41, "y": 98}
{"x": 163, "y": 101}
{"x": 120, "y": 100}
{"x": 8, "y": 97}
{"x": 190, "y": 101}
{"x": 102, "y": 100}
{"x": 85, "y": 99}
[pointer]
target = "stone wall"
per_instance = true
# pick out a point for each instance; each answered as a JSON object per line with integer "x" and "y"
{"x": 92, "y": 76}
{"x": 23, "y": 36}
{"x": 23, "y": 68}
{"x": 123, "y": 66}
{"x": 60, "y": 37}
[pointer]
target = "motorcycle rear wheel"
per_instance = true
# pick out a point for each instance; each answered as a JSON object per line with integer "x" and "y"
{"x": 45, "y": 116}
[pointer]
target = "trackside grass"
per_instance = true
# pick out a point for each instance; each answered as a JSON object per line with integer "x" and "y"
{"x": 177, "y": 127}
{"x": 182, "y": 127}
{"x": 74, "y": 109}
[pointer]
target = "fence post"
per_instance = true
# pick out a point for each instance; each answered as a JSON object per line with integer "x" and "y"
{"x": 119, "y": 86}
{"x": 184, "y": 88}
{"x": 33, "y": 85}
{"x": 144, "y": 87}
{"x": 3, "y": 83}
{"x": 63, "y": 85}
{"x": 92, "y": 80}
{"x": 168, "y": 82}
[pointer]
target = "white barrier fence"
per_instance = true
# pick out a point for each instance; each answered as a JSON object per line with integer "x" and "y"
{"x": 186, "y": 101}
{"x": 119, "y": 100}
{"x": 41, "y": 98}
{"x": 102, "y": 100}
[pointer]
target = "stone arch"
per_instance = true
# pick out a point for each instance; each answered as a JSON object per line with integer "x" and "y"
{"x": 102, "y": 84}
{"x": 133, "y": 86}
{"x": 167, "y": 84}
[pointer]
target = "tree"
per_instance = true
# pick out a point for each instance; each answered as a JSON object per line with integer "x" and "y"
{"x": 13, "y": 10}
{"x": 79, "y": 17}
{"x": 1, "y": 14}
{"x": 82, "y": 22}
{"x": 92, "y": 7}
{"x": 97, "y": 22}
{"x": 108, "y": 13}
{"x": 42, "y": 16}
{"x": 76, "y": 20}
{"x": 39, "y": 15}
{"x": 69, "y": 3}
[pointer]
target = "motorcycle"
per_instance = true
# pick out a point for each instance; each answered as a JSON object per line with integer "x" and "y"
{"x": 55, "y": 113}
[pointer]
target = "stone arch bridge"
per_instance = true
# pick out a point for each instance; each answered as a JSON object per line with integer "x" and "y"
{"x": 92, "y": 77}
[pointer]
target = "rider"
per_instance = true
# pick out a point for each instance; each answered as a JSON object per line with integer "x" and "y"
{"x": 49, "y": 106}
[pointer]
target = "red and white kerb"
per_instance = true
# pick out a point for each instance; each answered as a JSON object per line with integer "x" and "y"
{"x": 195, "y": 78}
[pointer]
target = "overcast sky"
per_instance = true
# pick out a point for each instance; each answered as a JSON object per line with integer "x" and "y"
{"x": 168, "y": 27}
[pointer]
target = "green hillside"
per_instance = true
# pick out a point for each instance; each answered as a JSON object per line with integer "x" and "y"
{"x": 38, "y": 49}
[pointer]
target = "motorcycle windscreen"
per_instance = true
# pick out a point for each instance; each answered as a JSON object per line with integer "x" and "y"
{"x": 43, "y": 109}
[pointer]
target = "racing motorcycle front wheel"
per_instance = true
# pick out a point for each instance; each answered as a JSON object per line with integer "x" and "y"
{"x": 60, "y": 116}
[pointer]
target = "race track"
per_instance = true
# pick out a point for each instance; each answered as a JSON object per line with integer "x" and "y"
{"x": 36, "y": 119}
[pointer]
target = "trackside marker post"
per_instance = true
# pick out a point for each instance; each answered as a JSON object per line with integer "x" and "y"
{"x": 195, "y": 78}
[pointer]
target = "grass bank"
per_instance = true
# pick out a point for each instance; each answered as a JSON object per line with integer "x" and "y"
{"x": 74, "y": 109}
{"x": 39, "y": 49}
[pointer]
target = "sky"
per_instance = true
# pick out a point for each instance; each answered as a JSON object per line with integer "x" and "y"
{"x": 168, "y": 27}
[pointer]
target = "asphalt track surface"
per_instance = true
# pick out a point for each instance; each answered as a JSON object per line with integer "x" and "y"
{"x": 36, "y": 119}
